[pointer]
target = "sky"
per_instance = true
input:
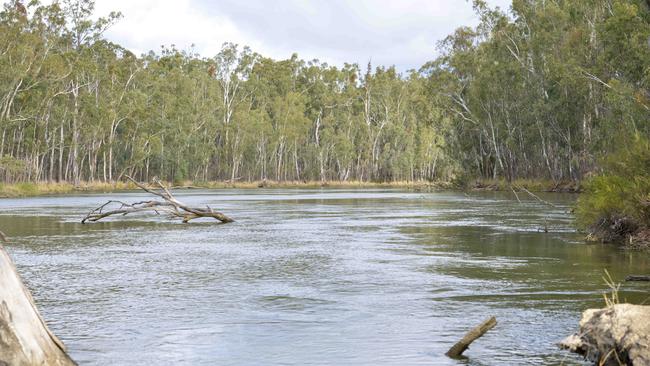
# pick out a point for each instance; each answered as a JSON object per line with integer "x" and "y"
{"x": 403, "y": 33}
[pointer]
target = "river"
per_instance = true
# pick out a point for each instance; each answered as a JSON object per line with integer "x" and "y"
{"x": 314, "y": 277}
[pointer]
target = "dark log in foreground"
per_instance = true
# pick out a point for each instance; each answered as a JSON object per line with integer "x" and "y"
{"x": 637, "y": 278}
{"x": 170, "y": 205}
{"x": 457, "y": 349}
{"x": 25, "y": 339}
{"x": 616, "y": 335}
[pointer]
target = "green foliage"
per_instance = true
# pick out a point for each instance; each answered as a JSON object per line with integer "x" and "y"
{"x": 537, "y": 93}
{"x": 541, "y": 92}
{"x": 622, "y": 190}
{"x": 11, "y": 165}
{"x": 76, "y": 107}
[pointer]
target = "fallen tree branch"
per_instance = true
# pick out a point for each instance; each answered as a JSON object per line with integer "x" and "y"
{"x": 457, "y": 349}
{"x": 536, "y": 197}
{"x": 516, "y": 195}
{"x": 169, "y": 205}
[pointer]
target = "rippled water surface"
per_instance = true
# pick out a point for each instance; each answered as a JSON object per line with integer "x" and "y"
{"x": 314, "y": 277}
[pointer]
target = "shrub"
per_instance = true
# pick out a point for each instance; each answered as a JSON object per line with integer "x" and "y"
{"x": 616, "y": 203}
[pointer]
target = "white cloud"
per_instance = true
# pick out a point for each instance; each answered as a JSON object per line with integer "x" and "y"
{"x": 400, "y": 32}
{"x": 148, "y": 24}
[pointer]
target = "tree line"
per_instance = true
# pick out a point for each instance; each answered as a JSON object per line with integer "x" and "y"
{"x": 540, "y": 91}
{"x": 547, "y": 90}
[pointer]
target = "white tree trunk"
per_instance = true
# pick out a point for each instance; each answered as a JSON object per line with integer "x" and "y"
{"x": 24, "y": 337}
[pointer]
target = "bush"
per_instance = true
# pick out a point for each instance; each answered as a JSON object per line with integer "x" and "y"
{"x": 616, "y": 203}
{"x": 12, "y": 166}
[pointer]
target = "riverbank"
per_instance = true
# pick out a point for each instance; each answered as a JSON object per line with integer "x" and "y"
{"x": 637, "y": 239}
{"x": 45, "y": 188}
{"x": 533, "y": 185}
{"x": 41, "y": 189}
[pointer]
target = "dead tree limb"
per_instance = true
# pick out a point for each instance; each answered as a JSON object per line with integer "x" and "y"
{"x": 457, "y": 349}
{"x": 516, "y": 195}
{"x": 169, "y": 205}
{"x": 536, "y": 197}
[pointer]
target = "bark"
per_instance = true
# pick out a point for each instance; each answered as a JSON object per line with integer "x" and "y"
{"x": 25, "y": 339}
{"x": 457, "y": 349}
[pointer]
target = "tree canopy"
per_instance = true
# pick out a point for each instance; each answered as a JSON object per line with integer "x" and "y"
{"x": 539, "y": 92}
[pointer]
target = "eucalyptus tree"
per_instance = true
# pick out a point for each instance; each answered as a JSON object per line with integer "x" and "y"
{"x": 533, "y": 94}
{"x": 540, "y": 92}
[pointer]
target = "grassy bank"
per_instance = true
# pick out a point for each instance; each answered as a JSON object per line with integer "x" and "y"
{"x": 41, "y": 189}
{"x": 45, "y": 188}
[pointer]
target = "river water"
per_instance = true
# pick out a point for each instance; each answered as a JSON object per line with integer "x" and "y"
{"x": 314, "y": 277}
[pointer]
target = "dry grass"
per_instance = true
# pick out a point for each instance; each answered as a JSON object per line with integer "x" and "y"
{"x": 612, "y": 298}
{"x": 45, "y": 188}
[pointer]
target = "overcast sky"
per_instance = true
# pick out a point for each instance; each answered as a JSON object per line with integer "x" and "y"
{"x": 390, "y": 32}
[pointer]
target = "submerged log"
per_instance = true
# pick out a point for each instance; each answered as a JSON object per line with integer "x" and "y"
{"x": 617, "y": 335}
{"x": 169, "y": 205}
{"x": 25, "y": 339}
{"x": 457, "y": 349}
{"x": 637, "y": 278}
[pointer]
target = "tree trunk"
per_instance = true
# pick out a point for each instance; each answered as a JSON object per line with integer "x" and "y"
{"x": 24, "y": 337}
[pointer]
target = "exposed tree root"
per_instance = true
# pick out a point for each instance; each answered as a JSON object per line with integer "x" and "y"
{"x": 169, "y": 205}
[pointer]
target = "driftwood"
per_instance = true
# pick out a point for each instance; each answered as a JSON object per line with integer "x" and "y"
{"x": 457, "y": 349}
{"x": 169, "y": 205}
{"x": 25, "y": 339}
{"x": 637, "y": 278}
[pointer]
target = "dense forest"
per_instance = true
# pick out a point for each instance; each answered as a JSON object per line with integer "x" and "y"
{"x": 542, "y": 90}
